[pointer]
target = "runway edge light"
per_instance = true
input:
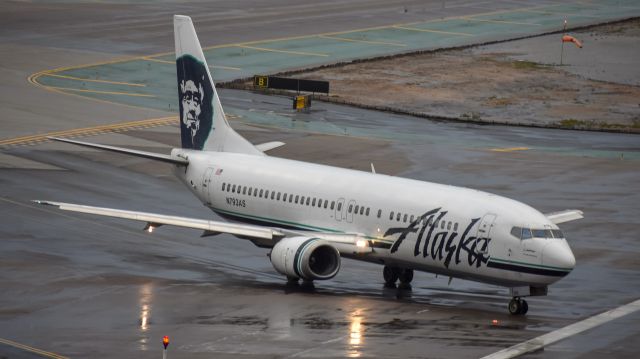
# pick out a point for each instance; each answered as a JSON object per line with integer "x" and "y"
{"x": 165, "y": 341}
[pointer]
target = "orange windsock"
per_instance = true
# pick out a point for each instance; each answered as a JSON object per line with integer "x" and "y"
{"x": 569, "y": 38}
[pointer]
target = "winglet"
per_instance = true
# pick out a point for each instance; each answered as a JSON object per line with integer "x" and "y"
{"x": 564, "y": 216}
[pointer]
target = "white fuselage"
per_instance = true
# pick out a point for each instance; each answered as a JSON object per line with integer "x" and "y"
{"x": 453, "y": 231}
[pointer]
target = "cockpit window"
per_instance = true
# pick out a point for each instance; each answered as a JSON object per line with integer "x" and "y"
{"x": 523, "y": 233}
{"x": 557, "y": 233}
{"x": 538, "y": 233}
{"x": 516, "y": 232}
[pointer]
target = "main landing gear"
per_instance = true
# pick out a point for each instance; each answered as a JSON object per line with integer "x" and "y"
{"x": 393, "y": 274}
{"x": 518, "y": 306}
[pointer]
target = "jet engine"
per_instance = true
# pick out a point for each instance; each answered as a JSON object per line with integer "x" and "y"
{"x": 306, "y": 258}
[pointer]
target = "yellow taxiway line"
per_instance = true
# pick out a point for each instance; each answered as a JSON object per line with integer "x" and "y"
{"x": 93, "y": 80}
{"x": 95, "y": 130}
{"x": 501, "y": 21}
{"x": 173, "y": 63}
{"x": 509, "y": 149}
{"x": 101, "y": 92}
{"x": 282, "y": 51}
{"x": 373, "y": 42}
{"x": 24, "y": 347}
{"x": 434, "y": 31}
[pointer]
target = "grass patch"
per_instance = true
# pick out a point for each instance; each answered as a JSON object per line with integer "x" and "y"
{"x": 526, "y": 65}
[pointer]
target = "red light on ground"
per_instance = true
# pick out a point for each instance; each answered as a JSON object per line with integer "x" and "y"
{"x": 494, "y": 322}
{"x": 165, "y": 341}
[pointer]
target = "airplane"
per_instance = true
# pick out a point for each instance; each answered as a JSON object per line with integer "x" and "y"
{"x": 310, "y": 216}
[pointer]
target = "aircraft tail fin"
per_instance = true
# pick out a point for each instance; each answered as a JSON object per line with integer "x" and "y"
{"x": 203, "y": 125}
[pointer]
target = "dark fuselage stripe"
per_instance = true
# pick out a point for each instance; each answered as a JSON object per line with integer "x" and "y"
{"x": 524, "y": 269}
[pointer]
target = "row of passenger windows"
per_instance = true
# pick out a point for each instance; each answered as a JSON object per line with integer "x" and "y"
{"x": 527, "y": 233}
{"x": 410, "y": 218}
{"x": 277, "y": 196}
{"x": 323, "y": 203}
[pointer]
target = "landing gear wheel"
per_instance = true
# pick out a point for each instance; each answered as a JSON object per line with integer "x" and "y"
{"x": 514, "y": 306}
{"x": 292, "y": 281}
{"x": 518, "y": 306}
{"x": 406, "y": 276}
{"x": 391, "y": 275}
{"x": 525, "y": 307}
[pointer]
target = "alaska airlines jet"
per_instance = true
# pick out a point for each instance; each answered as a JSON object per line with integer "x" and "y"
{"x": 310, "y": 216}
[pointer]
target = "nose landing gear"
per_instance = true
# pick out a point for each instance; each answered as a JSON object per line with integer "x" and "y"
{"x": 518, "y": 306}
{"x": 393, "y": 274}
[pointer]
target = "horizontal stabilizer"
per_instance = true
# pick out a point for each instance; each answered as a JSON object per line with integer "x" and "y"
{"x": 267, "y": 146}
{"x": 565, "y": 216}
{"x": 160, "y": 219}
{"x": 126, "y": 151}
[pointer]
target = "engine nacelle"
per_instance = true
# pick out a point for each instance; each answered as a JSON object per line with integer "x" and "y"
{"x": 306, "y": 258}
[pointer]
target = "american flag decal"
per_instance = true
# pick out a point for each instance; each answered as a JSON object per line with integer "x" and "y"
{"x": 218, "y": 171}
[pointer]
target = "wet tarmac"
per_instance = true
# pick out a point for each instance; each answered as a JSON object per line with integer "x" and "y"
{"x": 83, "y": 286}
{"x": 86, "y": 286}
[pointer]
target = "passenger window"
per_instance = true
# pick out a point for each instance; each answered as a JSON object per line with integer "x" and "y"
{"x": 391, "y": 216}
{"x": 367, "y": 212}
{"x": 379, "y": 213}
{"x": 350, "y": 208}
{"x": 297, "y": 197}
{"x": 284, "y": 197}
{"x": 332, "y": 204}
{"x": 361, "y": 211}
{"x": 405, "y": 218}
{"x": 291, "y": 198}
{"x": 526, "y": 233}
{"x": 233, "y": 189}
{"x": 442, "y": 224}
{"x": 266, "y": 194}
{"x": 250, "y": 191}
{"x": 435, "y": 224}
{"x": 260, "y": 195}
{"x": 278, "y": 196}
{"x": 357, "y": 207}
{"x": 313, "y": 203}
{"x": 223, "y": 186}
{"x": 398, "y": 216}
{"x": 326, "y": 203}
{"x": 449, "y": 226}
{"x": 455, "y": 227}
{"x": 339, "y": 206}
{"x": 307, "y": 201}
{"x": 273, "y": 195}
{"x": 411, "y": 219}
{"x": 244, "y": 190}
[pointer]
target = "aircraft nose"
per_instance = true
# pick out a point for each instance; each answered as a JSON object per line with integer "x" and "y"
{"x": 558, "y": 254}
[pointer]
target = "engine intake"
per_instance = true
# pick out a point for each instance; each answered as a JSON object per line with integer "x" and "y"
{"x": 306, "y": 258}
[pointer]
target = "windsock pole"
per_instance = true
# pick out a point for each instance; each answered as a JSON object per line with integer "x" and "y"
{"x": 564, "y": 31}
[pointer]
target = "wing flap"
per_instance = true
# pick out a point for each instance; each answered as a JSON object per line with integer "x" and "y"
{"x": 157, "y": 219}
{"x": 565, "y": 216}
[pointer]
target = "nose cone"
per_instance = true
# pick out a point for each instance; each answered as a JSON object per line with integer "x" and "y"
{"x": 557, "y": 254}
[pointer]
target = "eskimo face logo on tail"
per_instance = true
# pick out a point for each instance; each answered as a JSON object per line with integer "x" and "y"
{"x": 196, "y": 109}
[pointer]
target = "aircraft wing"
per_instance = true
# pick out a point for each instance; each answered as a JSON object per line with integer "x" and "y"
{"x": 565, "y": 216}
{"x": 268, "y": 146}
{"x": 346, "y": 243}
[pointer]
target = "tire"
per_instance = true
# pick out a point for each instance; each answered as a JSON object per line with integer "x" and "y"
{"x": 525, "y": 307}
{"x": 406, "y": 276}
{"x": 515, "y": 307}
{"x": 390, "y": 275}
